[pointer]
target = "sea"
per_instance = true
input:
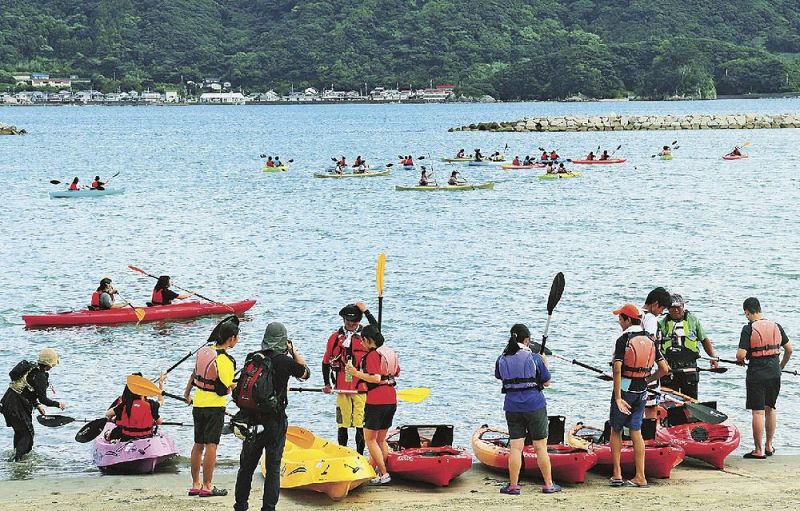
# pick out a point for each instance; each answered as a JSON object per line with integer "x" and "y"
{"x": 462, "y": 267}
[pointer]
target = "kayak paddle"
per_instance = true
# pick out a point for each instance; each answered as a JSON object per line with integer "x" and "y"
{"x": 136, "y": 310}
{"x": 718, "y": 370}
{"x": 698, "y": 411}
{"x": 141, "y": 386}
{"x": 55, "y": 421}
{"x": 412, "y": 395}
{"x": 91, "y": 430}
{"x": 379, "y": 270}
{"x": 795, "y": 373}
{"x": 139, "y": 270}
{"x": 602, "y": 374}
{"x": 615, "y": 150}
{"x": 556, "y": 290}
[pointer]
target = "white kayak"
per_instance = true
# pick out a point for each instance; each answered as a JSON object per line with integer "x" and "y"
{"x": 86, "y": 192}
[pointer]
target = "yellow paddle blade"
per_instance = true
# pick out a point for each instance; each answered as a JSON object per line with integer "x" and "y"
{"x": 746, "y": 143}
{"x": 141, "y": 386}
{"x": 379, "y": 269}
{"x": 414, "y": 395}
{"x": 301, "y": 437}
{"x": 139, "y": 314}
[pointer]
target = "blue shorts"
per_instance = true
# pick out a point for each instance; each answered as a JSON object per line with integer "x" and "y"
{"x": 618, "y": 420}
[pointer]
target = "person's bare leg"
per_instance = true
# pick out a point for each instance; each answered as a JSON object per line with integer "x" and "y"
{"x": 758, "y": 431}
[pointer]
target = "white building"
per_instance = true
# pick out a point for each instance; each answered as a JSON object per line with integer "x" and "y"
{"x": 171, "y": 96}
{"x": 228, "y": 98}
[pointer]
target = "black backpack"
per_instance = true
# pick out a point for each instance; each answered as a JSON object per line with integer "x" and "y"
{"x": 21, "y": 369}
{"x": 255, "y": 390}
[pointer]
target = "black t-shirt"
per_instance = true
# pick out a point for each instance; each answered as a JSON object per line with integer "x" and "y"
{"x": 637, "y": 384}
{"x": 761, "y": 368}
{"x": 167, "y": 295}
{"x": 39, "y": 380}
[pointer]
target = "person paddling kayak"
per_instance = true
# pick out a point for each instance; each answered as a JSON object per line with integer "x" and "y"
{"x": 460, "y": 154}
{"x": 103, "y": 297}
{"x": 346, "y": 345}
{"x": 478, "y": 155}
{"x": 455, "y": 178}
{"x": 135, "y": 416}
{"x": 524, "y": 374}
{"x": 163, "y": 295}
{"x": 736, "y": 152}
{"x": 605, "y": 156}
{"x": 424, "y": 177}
{"x": 97, "y": 184}
{"x": 74, "y": 185}
{"x": 28, "y": 389}
{"x": 270, "y": 163}
{"x": 515, "y": 161}
{"x": 590, "y": 156}
{"x": 665, "y": 151}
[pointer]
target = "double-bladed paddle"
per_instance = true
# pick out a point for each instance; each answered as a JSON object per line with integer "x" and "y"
{"x": 556, "y": 290}
{"x": 601, "y": 374}
{"x": 727, "y": 361}
{"x": 139, "y": 270}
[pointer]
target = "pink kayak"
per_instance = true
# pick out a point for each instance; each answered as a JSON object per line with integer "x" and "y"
{"x": 599, "y": 162}
{"x": 128, "y": 314}
{"x": 734, "y": 157}
{"x": 133, "y": 456}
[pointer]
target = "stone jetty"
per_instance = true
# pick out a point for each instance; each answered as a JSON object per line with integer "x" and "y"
{"x": 7, "y": 129}
{"x": 616, "y": 122}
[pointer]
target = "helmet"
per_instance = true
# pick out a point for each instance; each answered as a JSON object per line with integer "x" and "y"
{"x": 48, "y": 357}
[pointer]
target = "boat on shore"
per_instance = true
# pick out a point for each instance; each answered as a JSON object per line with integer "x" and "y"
{"x": 140, "y": 456}
{"x": 426, "y": 454}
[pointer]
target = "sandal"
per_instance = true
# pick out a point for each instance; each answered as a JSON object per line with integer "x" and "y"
{"x": 214, "y": 492}
{"x": 616, "y": 482}
{"x": 633, "y": 484}
{"x": 551, "y": 489}
{"x": 193, "y": 492}
{"x": 510, "y": 489}
{"x": 753, "y": 456}
{"x": 770, "y": 453}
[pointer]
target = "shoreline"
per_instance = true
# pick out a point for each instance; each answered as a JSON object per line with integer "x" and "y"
{"x": 743, "y": 485}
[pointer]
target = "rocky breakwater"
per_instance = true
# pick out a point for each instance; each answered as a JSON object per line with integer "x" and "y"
{"x": 7, "y": 129}
{"x": 614, "y": 122}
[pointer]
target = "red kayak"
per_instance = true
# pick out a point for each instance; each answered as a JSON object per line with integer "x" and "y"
{"x": 735, "y": 157}
{"x": 425, "y": 453}
{"x": 128, "y": 315}
{"x": 568, "y": 464}
{"x": 599, "y": 162}
{"x": 711, "y": 443}
{"x": 660, "y": 456}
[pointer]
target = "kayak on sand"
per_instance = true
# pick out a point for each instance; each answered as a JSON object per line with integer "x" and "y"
{"x": 568, "y": 464}
{"x": 610, "y": 161}
{"x": 660, "y": 456}
{"x": 128, "y": 315}
{"x": 86, "y": 192}
{"x": 559, "y": 175}
{"x": 325, "y": 467}
{"x": 368, "y": 173}
{"x": 426, "y": 453}
{"x": 482, "y": 186}
{"x": 140, "y": 456}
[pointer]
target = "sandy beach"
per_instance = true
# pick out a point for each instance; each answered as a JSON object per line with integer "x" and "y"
{"x": 743, "y": 485}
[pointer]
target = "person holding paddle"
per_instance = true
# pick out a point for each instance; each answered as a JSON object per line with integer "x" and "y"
{"x": 635, "y": 354}
{"x": 103, "y": 297}
{"x": 28, "y": 388}
{"x": 760, "y": 343}
{"x": 263, "y": 406}
{"x": 213, "y": 379}
{"x": 97, "y": 184}
{"x": 73, "y": 187}
{"x": 524, "y": 374}
{"x": 135, "y": 416}
{"x": 455, "y": 179}
{"x": 163, "y": 295}
{"x": 343, "y": 346}
{"x": 377, "y": 372}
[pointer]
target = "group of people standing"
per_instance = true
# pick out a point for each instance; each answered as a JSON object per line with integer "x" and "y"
{"x": 649, "y": 350}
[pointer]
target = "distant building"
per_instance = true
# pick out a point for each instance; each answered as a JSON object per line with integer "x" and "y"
{"x": 171, "y": 96}
{"x": 228, "y": 98}
{"x": 150, "y": 97}
{"x": 436, "y": 93}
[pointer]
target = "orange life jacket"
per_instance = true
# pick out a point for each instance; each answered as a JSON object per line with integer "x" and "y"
{"x": 140, "y": 421}
{"x": 640, "y": 356}
{"x": 765, "y": 339}
{"x": 73, "y": 187}
{"x": 544, "y": 156}
{"x": 158, "y": 297}
{"x": 95, "y": 184}
{"x": 553, "y": 155}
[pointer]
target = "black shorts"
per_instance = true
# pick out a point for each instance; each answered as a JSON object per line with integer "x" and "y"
{"x": 208, "y": 423}
{"x": 762, "y": 393}
{"x": 378, "y": 416}
{"x": 528, "y": 424}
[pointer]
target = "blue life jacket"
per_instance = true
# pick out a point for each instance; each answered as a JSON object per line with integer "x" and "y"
{"x": 518, "y": 371}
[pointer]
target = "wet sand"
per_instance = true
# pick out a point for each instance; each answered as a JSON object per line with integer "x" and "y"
{"x": 743, "y": 485}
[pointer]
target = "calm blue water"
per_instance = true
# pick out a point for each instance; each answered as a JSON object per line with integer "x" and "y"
{"x": 462, "y": 267}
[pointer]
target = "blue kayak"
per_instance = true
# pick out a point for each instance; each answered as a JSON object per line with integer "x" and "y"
{"x": 86, "y": 192}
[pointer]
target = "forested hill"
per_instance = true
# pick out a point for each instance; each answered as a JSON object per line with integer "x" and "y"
{"x": 506, "y": 48}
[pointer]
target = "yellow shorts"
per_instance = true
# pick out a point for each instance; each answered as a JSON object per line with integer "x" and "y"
{"x": 350, "y": 410}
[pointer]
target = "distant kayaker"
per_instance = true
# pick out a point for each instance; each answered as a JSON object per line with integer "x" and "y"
{"x": 526, "y": 161}
{"x": 97, "y": 184}
{"x": 478, "y": 155}
{"x": 213, "y": 379}
{"x": 345, "y": 345}
{"x": 562, "y": 169}
{"x": 590, "y": 156}
{"x": 604, "y": 156}
{"x": 28, "y": 389}
{"x": 554, "y": 155}
{"x": 515, "y": 161}
{"x": 74, "y": 186}
{"x": 135, "y": 416}
{"x": 409, "y": 161}
{"x": 270, "y": 163}
{"x": 681, "y": 335}
{"x": 358, "y": 162}
{"x": 524, "y": 374}
{"x": 163, "y": 295}
{"x": 665, "y": 151}
{"x": 736, "y": 152}
{"x": 496, "y": 156}
{"x": 544, "y": 156}
{"x": 760, "y": 342}
{"x": 551, "y": 169}
{"x": 460, "y": 154}
{"x": 361, "y": 168}
{"x": 455, "y": 178}
{"x": 635, "y": 354}
{"x": 377, "y": 372}
{"x": 424, "y": 177}
{"x": 104, "y": 296}
{"x": 277, "y": 161}
{"x": 267, "y": 426}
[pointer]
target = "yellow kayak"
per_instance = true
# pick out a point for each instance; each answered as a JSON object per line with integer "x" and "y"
{"x": 282, "y": 168}
{"x": 560, "y": 175}
{"x": 325, "y": 467}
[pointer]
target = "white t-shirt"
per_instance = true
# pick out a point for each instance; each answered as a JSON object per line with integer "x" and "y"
{"x": 650, "y": 323}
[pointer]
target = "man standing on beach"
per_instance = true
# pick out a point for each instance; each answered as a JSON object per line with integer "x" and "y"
{"x": 635, "y": 354}
{"x": 760, "y": 343}
{"x": 681, "y": 337}
{"x": 345, "y": 345}
{"x": 213, "y": 377}
{"x": 266, "y": 416}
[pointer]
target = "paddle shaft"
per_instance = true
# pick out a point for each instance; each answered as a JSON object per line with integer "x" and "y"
{"x": 135, "y": 310}
{"x": 134, "y": 268}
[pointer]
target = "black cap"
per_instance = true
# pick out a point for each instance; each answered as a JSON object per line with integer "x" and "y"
{"x": 351, "y": 313}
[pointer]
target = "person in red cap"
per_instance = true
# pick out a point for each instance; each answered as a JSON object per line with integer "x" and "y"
{"x": 635, "y": 354}
{"x": 344, "y": 346}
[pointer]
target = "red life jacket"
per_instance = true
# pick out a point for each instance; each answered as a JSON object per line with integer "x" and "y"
{"x": 765, "y": 339}
{"x": 640, "y": 356}
{"x": 544, "y": 156}
{"x": 553, "y": 155}
{"x": 515, "y": 162}
{"x": 270, "y": 163}
{"x": 206, "y": 372}
{"x": 95, "y": 303}
{"x": 158, "y": 297}
{"x": 340, "y": 354}
{"x": 140, "y": 421}
{"x": 73, "y": 187}
{"x": 590, "y": 157}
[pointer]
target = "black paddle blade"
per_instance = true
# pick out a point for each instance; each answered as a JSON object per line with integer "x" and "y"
{"x": 54, "y": 421}
{"x": 706, "y": 414}
{"x": 263, "y": 155}
{"x": 90, "y": 430}
{"x": 55, "y": 182}
{"x": 537, "y": 348}
{"x": 556, "y": 290}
